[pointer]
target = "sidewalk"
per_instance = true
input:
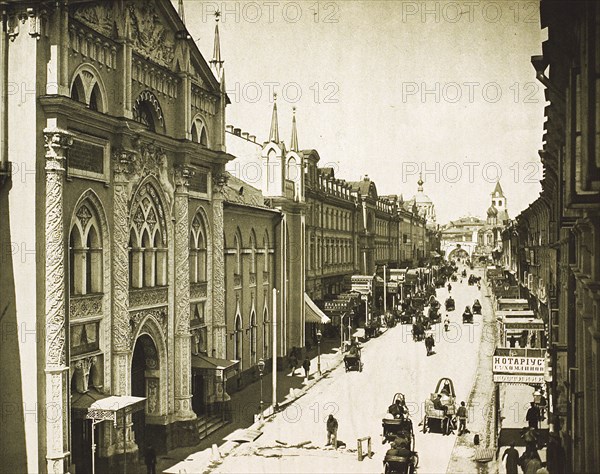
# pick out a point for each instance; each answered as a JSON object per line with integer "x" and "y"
{"x": 480, "y": 404}
{"x": 245, "y": 403}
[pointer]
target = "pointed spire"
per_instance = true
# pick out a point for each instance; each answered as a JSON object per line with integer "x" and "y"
{"x": 181, "y": 12}
{"x": 498, "y": 189}
{"x": 274, "y": 134}
{"x": 420, "y": 183}
{"x": 294, "y": 142}
{"x": 216, "y": 62}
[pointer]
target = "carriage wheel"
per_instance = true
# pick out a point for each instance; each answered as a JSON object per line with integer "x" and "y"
{"x": 425, "y": 421}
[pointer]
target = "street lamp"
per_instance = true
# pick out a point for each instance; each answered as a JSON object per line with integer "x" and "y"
{"x": 261, "y": 370}
{"x": 319, "y": 335}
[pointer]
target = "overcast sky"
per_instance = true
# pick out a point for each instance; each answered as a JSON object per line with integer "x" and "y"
{"x": 393, "y": 87}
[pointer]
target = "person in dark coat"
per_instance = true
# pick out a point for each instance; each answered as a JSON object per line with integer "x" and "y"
{"x": 533, "y": 416}
{"x": 512, "y": 459}
{"x": 332, "y": 427}
{"x": 150, "y": 460}
{"x": 306, "y": 366}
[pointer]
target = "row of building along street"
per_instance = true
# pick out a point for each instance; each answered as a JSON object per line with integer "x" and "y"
{"x": 178, "y": 294}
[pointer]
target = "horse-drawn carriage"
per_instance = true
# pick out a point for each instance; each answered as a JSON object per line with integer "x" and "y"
{"x": 352, "y": 360}
{"x": 434, "y": 315}
{"x": 372, "y": 328}
{"x": 476, "y": 307}
{"x": 418, "y": 330}
{"x": 440, "y": 407}
{"x": 450, "y": 305}
{"x": 467, "y": 316}
{"x": 398, "y": 431}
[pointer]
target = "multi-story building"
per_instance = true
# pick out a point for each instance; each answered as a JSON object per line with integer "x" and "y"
{"x": 331, "y": 213}
{"x": 122, "y": 134}
{"x": 251, "y": 263}
{"x": 459, "y": 238}
{"x": 558, "y": 234}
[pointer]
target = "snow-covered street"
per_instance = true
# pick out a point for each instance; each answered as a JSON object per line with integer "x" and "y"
{"x": 359, "y": 400}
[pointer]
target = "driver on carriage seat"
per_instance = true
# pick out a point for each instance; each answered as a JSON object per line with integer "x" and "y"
{"x": 396, "y": 409}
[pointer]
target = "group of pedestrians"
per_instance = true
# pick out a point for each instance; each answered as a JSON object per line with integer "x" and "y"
{"x": 294, "y": 358}
{"x": 530, "y": 461}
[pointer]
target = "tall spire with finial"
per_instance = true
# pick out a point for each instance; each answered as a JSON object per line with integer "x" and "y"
{"x": 181, "y": 12}
{"x": 420, "y": 183}
{"x": 216, "y": 62}
{"x": 294, "y": 142}
{"x": 274, "y": 134}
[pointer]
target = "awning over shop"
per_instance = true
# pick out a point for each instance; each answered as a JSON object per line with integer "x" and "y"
{"x": 80, "y": 402}
{"x": 313, "y": 312}
{"x": 203, "y": 362}
{"x": 108, "y": 407}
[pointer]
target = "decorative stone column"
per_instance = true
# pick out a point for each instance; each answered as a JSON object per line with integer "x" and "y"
{"x": 57, "y": 416}
{"x": 219, "y": 333}
{"x": 183, "y": 354}
{"x": 121, "y": 329}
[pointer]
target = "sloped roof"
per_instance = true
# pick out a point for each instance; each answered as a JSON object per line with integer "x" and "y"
{"x": 498, "y": 189}
{"x": 239, "y": 192}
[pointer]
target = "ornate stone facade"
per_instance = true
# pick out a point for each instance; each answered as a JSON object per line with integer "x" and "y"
{"x": 57, "y": 388}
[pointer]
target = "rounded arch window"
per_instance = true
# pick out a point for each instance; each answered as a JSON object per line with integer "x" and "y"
{"x": 148, "y": 112}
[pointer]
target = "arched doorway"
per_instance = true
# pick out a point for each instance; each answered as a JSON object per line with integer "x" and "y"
{"x": 145, "y": 382}
{"x": 458, "y": 252}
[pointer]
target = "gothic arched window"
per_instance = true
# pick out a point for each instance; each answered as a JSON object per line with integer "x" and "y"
{"x": 198, "y": 257}
{"x": 238, "y": 339}
{"x": 252, "y": 253}
{"x": 199, "y": 132}
{"x": 266, "y": 252}
{"x": 148, "y": 240}
{"x": 266, "y": 334}
{"x": 253, "y": 331}
{"x": 85, "y": 252}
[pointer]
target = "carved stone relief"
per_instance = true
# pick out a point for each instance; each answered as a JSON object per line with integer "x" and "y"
{"x": 149, "y": 35}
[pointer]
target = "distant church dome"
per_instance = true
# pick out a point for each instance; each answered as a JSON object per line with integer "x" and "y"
{"x": 421, "y": 197}
{"x": 492, "y": 211}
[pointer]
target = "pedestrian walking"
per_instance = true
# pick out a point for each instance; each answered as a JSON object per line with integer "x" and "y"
{"x": 462, "y": 415}
{"x": 332, "y": 427}
{"x": 306, "y": 366}
{"x": 533, "y": 416}
{"x": 512, "y": 459}
{"x": 293, "y": 360}
{"x": 150, "y": 460}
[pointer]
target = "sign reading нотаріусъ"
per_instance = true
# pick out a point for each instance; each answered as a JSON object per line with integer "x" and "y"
{"x": 519, "y": 365}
